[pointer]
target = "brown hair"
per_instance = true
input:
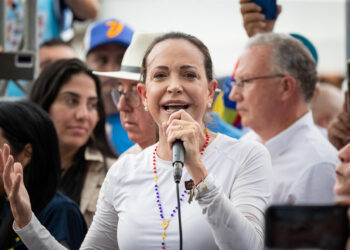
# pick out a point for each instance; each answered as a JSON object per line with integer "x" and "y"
{"x": 50, "y": 81}
{"x": 208, "y": 65}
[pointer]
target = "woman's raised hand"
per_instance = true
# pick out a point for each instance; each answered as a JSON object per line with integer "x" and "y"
{"x": 12, "y": 176}
{"x": 183, "y": 127}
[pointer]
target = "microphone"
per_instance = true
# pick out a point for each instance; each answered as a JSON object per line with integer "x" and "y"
{"x": 178, "y": 159}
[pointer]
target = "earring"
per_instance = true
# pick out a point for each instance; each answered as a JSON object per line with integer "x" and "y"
{"x": 209, "y": 105}
{"x": 146, "y": 109}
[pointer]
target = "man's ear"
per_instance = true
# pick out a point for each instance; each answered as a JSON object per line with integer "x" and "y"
{"x": 141, "y": 89}
{"x": 25, "y": 156}
{"x": 288, "y": 87}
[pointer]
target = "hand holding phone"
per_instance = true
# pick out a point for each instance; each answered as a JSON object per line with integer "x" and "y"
{"x": 269, "y": 8}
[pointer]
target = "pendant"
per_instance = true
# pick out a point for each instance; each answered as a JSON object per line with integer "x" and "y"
{"x": 189, "y": 185}
{"x": 165, "y": 224}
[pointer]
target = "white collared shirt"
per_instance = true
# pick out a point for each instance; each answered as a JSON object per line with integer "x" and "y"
{"x": 303, "y": 164}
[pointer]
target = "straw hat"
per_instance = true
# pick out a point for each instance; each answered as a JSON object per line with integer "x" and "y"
{"x": 132, "y": 60}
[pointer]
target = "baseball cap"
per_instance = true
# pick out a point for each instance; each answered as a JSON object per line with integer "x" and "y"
{"x": 107, "y": 31}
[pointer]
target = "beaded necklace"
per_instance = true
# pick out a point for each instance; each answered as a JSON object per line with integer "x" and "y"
{"x": 165, "y": 222}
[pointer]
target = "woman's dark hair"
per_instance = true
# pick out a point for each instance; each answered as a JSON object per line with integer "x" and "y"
{"x": 208, "y": 64}
{"x": 23, "y": 123}
{"x": 51, "y": 80}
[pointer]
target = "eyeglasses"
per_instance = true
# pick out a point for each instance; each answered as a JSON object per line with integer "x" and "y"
{"x": 240, "y": 83}
{"x": 132, "y": 98}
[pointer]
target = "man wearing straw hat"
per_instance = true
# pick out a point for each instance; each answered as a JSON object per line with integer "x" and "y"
{"x": 137, "y": 122}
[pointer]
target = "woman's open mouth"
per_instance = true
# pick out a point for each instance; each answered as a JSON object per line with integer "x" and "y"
{"x": 171, "y": 107}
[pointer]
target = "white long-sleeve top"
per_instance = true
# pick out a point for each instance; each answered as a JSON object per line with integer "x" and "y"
{"x": 228, "y": 216}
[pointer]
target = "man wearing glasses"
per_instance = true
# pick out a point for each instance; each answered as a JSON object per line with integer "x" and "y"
{"x": 136, "y": 121}
{"x": 274, "y": 82}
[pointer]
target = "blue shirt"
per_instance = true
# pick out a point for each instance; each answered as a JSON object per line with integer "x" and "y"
{"x": 63, "y": 219}
{"x": 118, "y": 136}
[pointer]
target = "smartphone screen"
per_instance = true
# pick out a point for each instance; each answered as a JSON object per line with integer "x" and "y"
{"x": 306, "y": 227}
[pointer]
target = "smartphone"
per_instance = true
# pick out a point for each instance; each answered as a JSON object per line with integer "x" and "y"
{"x": 269, "y": 8}
{"x": 288, "y": 226}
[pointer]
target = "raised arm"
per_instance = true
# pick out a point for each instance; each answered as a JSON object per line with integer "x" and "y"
{"x": 84, "y": 9}
{"x": 26, "y": 225}
{"x": 253, "y": 20}
{"x": 339, "y": 130}
{"x": 12, "y": 175}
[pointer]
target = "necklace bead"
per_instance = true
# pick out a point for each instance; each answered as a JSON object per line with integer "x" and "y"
{"x": 165, "y": 223}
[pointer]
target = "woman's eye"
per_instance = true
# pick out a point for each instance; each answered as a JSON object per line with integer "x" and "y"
{"x": 92, "y": 105}
{"x": 159, "y": 75}
{"x": 70, "y": 101}
{"x": 190, "y": 75}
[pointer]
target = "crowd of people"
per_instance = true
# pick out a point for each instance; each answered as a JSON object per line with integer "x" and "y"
{"x": 91, "y": 166}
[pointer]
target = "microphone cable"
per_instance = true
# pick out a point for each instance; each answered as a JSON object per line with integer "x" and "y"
{"x": 179, "y": 213}
{"x": 178, "y": 163}
{"x": 178, "y": 151}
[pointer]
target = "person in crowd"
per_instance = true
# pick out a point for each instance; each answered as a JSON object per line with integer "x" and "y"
{"x": 231, "y": 178}
{"x": 342, "y": 185}
{"x": 326, "y": 103}
{"x": 339, "y": 127}
{"x": 136, "y": 121}
{"x": 55, "y": 19}
{"x": 254, "y": 22}
{"x": 71, "y": 94}
{"x": 34, "y": 146}
{"x": 105, "y": 43}
{"x": 274, "y": 83}
{"x": 53, "y": 50}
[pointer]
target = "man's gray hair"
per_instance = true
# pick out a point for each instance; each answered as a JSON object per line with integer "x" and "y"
{"x": 290, "y": 57}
